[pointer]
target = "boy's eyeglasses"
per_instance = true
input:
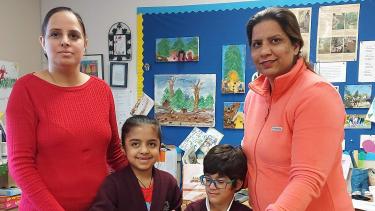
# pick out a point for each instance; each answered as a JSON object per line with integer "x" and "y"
{"x": 219, "y": 184}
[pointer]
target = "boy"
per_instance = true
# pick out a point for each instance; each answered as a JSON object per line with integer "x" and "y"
{"x": 224, "y": 170}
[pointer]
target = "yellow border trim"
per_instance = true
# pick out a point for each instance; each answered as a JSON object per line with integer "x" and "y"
{"x": 140, "y": 42}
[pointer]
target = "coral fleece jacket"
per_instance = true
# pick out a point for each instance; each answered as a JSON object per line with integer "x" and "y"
{"x": 292, "y": 141}
{"x": 60, "y": 140}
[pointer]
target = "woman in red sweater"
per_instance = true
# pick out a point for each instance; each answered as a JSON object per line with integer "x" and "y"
{"x": 294, "y": 124}
{"x": 61, "y": 124}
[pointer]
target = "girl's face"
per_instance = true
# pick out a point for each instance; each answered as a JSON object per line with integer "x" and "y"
{"x": 64, "y": 41}
{"x": 271, "y": 49}
{"x": 142, "y": 147}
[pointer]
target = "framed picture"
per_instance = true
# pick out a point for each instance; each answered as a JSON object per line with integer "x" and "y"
{"x": 119, "y": 42}
{"x": 119, "y": 74}
{"x": 92, "y": 64}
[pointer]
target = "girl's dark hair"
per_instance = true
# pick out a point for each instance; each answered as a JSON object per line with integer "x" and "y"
{"x": 60, "y": 9}
{"x": 287, "y": 21}
{"x": 138, "y": 120}
{"x": 226, "y": 160}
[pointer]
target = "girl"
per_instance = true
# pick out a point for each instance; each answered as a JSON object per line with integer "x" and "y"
{"x": 140, "y": 186}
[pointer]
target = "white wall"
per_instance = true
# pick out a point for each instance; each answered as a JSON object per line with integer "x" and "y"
{"x": 19, "y": 34}
{"x": 99, "y": 15}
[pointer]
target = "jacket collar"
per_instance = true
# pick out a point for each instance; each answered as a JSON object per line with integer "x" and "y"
{"x": 281, "y": 83}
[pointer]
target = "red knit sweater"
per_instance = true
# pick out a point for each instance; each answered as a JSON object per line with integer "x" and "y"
{"x": 60, "y": 140}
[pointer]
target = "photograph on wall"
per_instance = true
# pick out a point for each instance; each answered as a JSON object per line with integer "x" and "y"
{"x": 304, "y": 20}
{"x": 8, "y": 76}
{"x": 371, "y": 112}
{"x": 357, "y": 96}
{"x": 185, "y": 99}
{"x": 233, "y": 69}
{"x": 337, "y": 33}
{"x": 233, "y": 115}
{"x": 357, "y": 121}
{"x": 181, "y": 49}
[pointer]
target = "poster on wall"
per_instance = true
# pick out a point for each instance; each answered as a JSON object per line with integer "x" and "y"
{"x": 181, "y": 49}
{"x": 338, "y": 33}
{"x": 233, "y": 69}
{"x": 304, "y": 20}
{"x": 8, "y": 76}
{"x": 233, "y": 115}
{"x": 357, "y": 96}
{"x": 185, "y": 99}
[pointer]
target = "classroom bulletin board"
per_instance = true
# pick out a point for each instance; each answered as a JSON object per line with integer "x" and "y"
{"x": 217, "y": 25}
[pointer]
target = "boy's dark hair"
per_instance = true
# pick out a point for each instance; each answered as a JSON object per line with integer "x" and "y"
{"x": 226, "y": 160}
{"x": 138, "y": 120}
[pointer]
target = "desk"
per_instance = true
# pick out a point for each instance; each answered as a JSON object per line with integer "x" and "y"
{"x": 364, "y": 205}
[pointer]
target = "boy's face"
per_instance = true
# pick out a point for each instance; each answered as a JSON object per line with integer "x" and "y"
{"x": 222, "y": 195}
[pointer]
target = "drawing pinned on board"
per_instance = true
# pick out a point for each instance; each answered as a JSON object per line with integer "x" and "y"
{"x": 143, "y": 106}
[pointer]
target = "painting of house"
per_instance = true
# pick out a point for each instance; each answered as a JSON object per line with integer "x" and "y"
{"x": 185, "y": 99}
{"x": 233, "y": 115}
{"x": 181, "y": 49}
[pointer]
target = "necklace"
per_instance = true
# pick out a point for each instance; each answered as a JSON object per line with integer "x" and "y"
{"x": 144, "y": 186}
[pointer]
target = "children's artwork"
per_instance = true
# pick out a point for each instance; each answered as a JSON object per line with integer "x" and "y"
{"x": 233, "y": 69}
{"x": 181, "y": 49}
{"x": 371, "y": 112}
{"x": 233, "y": 115}
{"x": 213, "y": 138}
{"x": 8, "y": 76}
{"x": 367, "y": 142}
{"x": 142, "y": 106}
{"x": 357, "y": 96}
{"x": 194, "y": 140}
{"x": 92, "y": 64}
{"x": 357, "y": 121}
{"x": 185, "y": 100}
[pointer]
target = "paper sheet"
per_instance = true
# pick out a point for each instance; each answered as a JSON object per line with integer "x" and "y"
{"x": 332, "y": 71}
{"x": 366, "y": 68}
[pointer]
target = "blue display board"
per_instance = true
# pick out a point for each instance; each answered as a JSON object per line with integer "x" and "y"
{"x": 216, "y": 28}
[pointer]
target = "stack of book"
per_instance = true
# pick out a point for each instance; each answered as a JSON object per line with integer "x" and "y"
{"x": 9, "y": 198}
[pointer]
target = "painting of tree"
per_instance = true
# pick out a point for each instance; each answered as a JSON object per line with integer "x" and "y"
{"x": 185, "y": 100}
{"x": 233, "y": 69}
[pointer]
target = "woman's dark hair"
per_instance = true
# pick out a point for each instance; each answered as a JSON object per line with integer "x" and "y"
{"x": 60, "y": 9}
{"x": 287, "y": 21}
{"x": 138, "y": 120}
{"x": 226, "y": 160}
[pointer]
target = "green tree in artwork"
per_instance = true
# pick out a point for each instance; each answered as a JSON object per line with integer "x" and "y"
{"x": 163, "y": 47}
{"x": 189, "y": 103}
{"x": 178, "y": 45}
{"x": 209, "y": 102}
{"x": 201, "y": 103}
{"x": 166, "y": 96}
{"x": 178, "y": 100}
{"x": 233, "y": 62}
{"x": 193, "y": 45}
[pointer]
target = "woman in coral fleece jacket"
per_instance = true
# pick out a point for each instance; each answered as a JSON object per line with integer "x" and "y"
{"x": 61, "y": 124}
{"x": 294, "y": 124}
